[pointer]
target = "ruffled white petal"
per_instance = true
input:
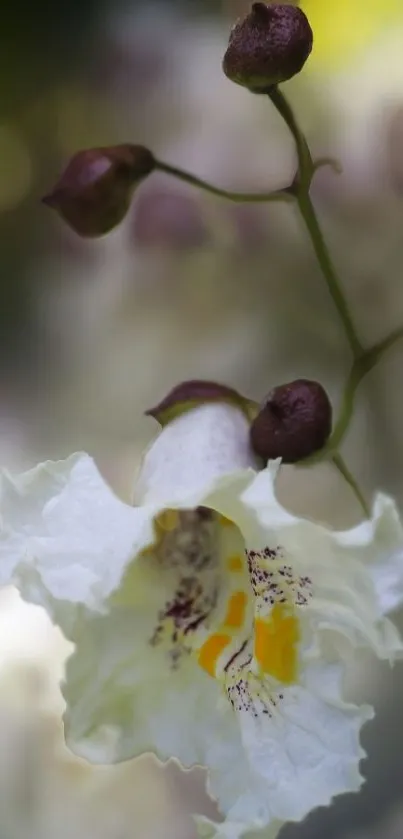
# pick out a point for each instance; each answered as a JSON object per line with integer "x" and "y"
{"x": 350, "y": 570}
{"x": 309, "y": 751}
{"x": 379, "y": 544}
{"x": 65, "y": 537}
{"x": 289, "y": 763}
{"x": 261, "y": 772}
{"x": 72, "y": 546}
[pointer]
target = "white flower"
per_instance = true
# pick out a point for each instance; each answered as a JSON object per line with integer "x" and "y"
{"x": 210, "y": 624}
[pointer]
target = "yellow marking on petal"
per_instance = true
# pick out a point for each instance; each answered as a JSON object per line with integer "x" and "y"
{"x": 211, "y": 651}
{"x": 234, "y": 563}
{"x": 167, "y": 520}
{"x": 236, "y": 610}
{"x": 148, "y": 551}
{"x": 225, "y": 522}
{"x": 276, "y": 639}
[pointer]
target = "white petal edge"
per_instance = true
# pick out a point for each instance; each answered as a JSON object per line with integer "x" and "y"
{"x": 209, "y": 829}
{"x": 379, "y": 541}
{"x": 65, "y": 537}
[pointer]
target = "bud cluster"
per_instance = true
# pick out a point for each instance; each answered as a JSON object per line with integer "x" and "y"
{"x": 293, "y": 423}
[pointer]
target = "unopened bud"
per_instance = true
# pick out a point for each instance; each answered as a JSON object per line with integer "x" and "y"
{"x": 195, "y": 392}
{"x": 94, "y": 192}
{"x": 294, "y": 422}
{"x": 268, "y": 47}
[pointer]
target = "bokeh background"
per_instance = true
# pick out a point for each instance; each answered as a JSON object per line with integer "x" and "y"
{"x": 94, "y": 333}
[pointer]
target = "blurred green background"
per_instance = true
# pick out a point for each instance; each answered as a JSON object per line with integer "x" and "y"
{"x": 94, "y": 333}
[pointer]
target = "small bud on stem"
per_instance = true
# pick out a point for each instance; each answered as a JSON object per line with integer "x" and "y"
{"x": 94, "y": 192}
{"x": 195, "y": 392}
{"x": 294, "y": 422}
{"x": 268, "y": 47}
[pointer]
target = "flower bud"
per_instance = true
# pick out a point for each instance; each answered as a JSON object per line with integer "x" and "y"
{"x": 294, "y": 422}
{"x": 95, "y": 190}
{"x": 195, "y": 392}
{"x": 268, "y": 47}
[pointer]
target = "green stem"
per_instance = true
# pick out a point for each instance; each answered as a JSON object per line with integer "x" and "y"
{"x": 240, "y": 197}
{"x": 347, "y": 408}
{"x": 305, "y": 164}
{"x": 359, "y": 370}
{"x": 350, "y": 480}
{"x": 310, "y": 218}
{"x": 373, "y": 355}
{"x": 306, "y": 169}
{"x": 364, "y": 360}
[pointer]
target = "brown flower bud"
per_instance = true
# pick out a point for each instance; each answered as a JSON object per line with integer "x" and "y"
{"x": 190, "y": 394}
{"x": 95, "y": 190}
{"x": 294, "y": 422}
{"x": 268, "y": 47}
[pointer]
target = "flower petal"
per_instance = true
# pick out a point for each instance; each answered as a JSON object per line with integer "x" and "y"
{"x": 310, "y": 743}
{"x": 131, "y": 690}
{"x": 65, "y": 537}
{"x": 71, "y": 545}
{"x": 346, "y": 568}
{"x": 192, "y": 452}
{"x": 208, "y": 829}
{"x": 379, "y": 543}
{"x": 124, "y": 698}
{"x": 286, "y": 763}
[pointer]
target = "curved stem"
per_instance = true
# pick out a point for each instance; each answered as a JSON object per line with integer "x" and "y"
{"x": 240, "y": 197}
{"x": 342, "y": 467}
{"x": 305, "y": 164}
{"x": 302, "y": 183}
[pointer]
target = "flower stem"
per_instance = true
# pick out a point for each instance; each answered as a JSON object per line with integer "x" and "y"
{"x": 360, "y": 368}
{"x": 309, "y": 216}
{"x": 302, "y": 183}
{"x": 240, "y": 197}
{"x": 373, "y": 355}
{"x": 305, "y": 163}
{"x": 351, "y": 481}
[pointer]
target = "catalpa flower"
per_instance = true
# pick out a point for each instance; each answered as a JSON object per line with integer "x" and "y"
{"x": 209, "y": 623}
